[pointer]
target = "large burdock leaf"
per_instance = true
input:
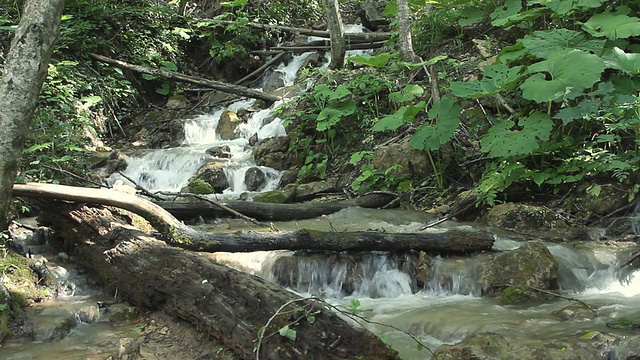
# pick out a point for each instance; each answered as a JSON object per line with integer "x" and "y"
{"x": 566, "y": 71}
{"x": 546, "y": 42}
{"x": 620, "y": 60}
{"x": 503, "y": 141}
{"x": 612, "y": 26}
{"x": 430, "y": 136}
{"x": 496, "y": 78}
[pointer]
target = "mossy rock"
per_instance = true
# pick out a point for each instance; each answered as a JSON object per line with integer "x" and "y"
{"x": 282, "y": 196}
{"x": 200, "y": 187}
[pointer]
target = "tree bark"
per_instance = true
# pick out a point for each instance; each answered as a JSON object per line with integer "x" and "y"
{"x": 24, "y": 72}
{"x": 228, "y": 305}
{"x": 336, "y": 32}
{"x": 180, "y": 235}
{"x": 404, "y": 25}
{"x": 217, "y": 85}
{"x": 269, "y": 211}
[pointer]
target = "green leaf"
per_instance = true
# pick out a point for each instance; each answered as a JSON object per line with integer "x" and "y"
{"x": 287, "y": 332}
{"x": 376, "y": 61}
{"x": 612, "y": 26}
{"x": 412, "y": 66}
{"x": 544, "y": 43}
{"x": 332, "y": 114}
{"x": 403, "y": 115}
{"x": 357, "y": 157}
{"x": 168, "y": 66}
{"x": 149, "y": 77}
{"x": 409, "y": 93}
{"x": 503, "y": 140}
{"x": 501, "y": 14}
{"x": 430, "y": 136}
{"x": 470, "y": 16}
{"x": 164, "y": 89}
{"x": 37, "y": 147}
{"x": 573, "y": 70}
{"x": 620, "y": 60}
{"x": 496, "y": 78}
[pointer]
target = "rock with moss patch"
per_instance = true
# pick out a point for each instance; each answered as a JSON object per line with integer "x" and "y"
{"x": 513, "y": 277}
{"x": 228, "y": 125}
{"x": 280, "y": 196}
{"x": 523, "y": 217}
{"x": 199, "y": 186}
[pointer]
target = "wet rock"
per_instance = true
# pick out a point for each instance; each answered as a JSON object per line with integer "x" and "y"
{"x": 177, "y": 102}
{"x": 213, "y": 174}
{"x": 28, "y": 240}
{"x": 287, "y": 177}
{"x": 273, "y": 81}
{"x": 50, "y": 326}
{"x": 421, "y": 268}
{"x": 288, "y": 92}
{"x": 310, "y": 190}
{"x": 228, "y": 125}
{"x": 512, "y": 277}
{"x": 170, "y": 135}
{"x": 121, "y": 313}
{"x": 280, "y": 196}
{"x": 254, "y": 178}
{"x": 89, "y": 314}
{"x": 220, "y": 152}
{"x": 492, "y": 346}
{"x": 523, "y": 217}
{"x": 412, "y": 161}
{"x": 576, "y": 311}
{"x": 609, "y": 198}
{"x": 628, "y": 348}
{"x": 253, "y": 140}
{"x": 271, "y": 152}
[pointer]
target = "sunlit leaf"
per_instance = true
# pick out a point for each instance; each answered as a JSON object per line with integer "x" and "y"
{"x": 504, "y": 139}
{"x": 430, "y": 136}
{"x": 612, "y": 26}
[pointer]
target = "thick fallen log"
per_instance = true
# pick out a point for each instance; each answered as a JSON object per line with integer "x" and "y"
{"x": 191, "y": 209}
{"x": 217, "y": 85}
{"x": 226, "y": 304}
{"x": 183, "y": 236}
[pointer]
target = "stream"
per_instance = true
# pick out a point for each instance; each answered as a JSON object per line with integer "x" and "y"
{"x": 446, "y": 310}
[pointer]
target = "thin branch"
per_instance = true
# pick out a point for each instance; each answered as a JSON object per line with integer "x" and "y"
{"x": 140, "y": 187}
{"x": 69, "y": 173}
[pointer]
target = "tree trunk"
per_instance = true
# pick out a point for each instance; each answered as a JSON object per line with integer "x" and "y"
{"x": 217, "y": 85}
{"x": 404, "y": 24}
{"x": 228, "y": 305}
{"x": 180, "y": 235}
{"x": 336, "y": 32}
{"x": 24, "y": 72}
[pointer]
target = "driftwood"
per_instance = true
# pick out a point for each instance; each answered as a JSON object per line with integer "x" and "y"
{"x": 217, "y": 85}
{"x": 226, "y": 304}
{"x": 180, "y": 235}
{"x": 184, "y": 210}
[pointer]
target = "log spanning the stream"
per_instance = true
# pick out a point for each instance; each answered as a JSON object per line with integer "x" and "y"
{"x": 191, "y": 209}
{"x": 217, "y": 85}
{"x": 180, "y": 235}
{"x": 221, "y": 302}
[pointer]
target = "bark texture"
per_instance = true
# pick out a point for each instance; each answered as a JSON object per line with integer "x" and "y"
{"x": 404, "y": 24}
{"x": 24, "y": 72}
{"x": 229, "y": 305}
{"x": 336, "y": 32}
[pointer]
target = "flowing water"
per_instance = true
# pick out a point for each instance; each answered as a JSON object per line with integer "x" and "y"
{"x": 447, "y": 309}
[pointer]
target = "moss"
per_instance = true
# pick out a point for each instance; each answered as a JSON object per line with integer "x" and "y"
{"x": 513, "y": 295}
{"x": 199, "y": 186}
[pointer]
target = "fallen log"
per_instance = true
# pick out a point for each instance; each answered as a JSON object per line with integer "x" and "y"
{"x": 191, "y": 209}
{"x": 226, "y": 304}
{"x": 217, "y": 85}
{"x": 180, "y": 235}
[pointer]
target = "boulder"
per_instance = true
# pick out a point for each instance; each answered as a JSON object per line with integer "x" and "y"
{"x": 512, "y": 277}
{"x": 213, "y": 174}
{"x": 310, "y": 190}
{"x": 273, "y": 81}
{"x": 254, "y": 178}
{"x": 522, "y": 217}
{"x": 280, "y": 196}
{"x": 220, "y": 152}
{"x": 412, "y": 161}
{"x": 491, "y": 346}
{"x": 272, "y": 152}
{"x": 609, "y": 198}
{"x": 228, "y": 125}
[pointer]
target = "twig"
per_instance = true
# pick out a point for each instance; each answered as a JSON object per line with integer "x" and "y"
{"x": 140, "y": 187}
{"x": 69, "y": 173}
{"x": 451, "y": 214}
{"x": 628, "y": 262}
{"x": 594, "y": 311}
{"x": 262, "y": 68}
